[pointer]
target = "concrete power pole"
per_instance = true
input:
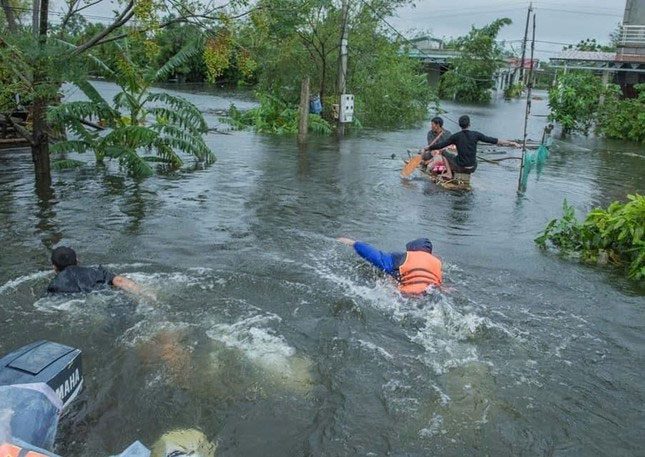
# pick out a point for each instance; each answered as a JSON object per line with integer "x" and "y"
{"x": 342, "y": 67}
{"x": 526, "y": 33}
{"x": 35, "y": 17}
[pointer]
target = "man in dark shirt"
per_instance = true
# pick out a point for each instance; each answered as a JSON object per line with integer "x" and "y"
{"x": 70, "y": 277}
{"x": 465, "y": 161}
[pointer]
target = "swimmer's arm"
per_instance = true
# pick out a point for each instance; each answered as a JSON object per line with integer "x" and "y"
{"x": 128, "y": 285}
{"x": 384, "y": 261}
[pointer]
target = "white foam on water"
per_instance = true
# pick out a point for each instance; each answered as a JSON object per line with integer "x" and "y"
{"x": 254, "y": 337}
{"x": 146, "y": 329}
{"x": 373, "y": 347}
{"x": 13, "y": 283}
{"x": 201, "y": 278}
{"x": 52, "y": 303}
{"x": 120, "y": 266}
{"x": 251, "y": 336}
{"x": 433, "y": 428}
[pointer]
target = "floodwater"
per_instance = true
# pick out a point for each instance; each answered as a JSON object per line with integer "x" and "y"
{"x": 274, "y": 340}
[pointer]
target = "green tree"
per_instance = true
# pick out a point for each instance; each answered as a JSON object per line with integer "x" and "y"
{"x": 294, "y": 39}
{"x": 575, "y": 99}
{"x": 623, "y": 119}
{"x": 470, "y": 78}
{"x": 39, "y": 67}
{"x": 138, "y": 121}
{"x": 590, "y": 44}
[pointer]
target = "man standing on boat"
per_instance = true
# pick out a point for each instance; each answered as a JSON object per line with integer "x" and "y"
{"x": 465, "y": 161}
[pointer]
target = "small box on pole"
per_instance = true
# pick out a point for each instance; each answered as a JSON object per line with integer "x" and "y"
{"x": 346, "y": 108}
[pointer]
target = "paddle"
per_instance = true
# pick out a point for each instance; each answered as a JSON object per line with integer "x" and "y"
{"x": 412, "y": 165}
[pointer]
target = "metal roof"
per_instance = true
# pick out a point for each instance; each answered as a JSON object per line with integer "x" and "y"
{"x": 586, "y": 56}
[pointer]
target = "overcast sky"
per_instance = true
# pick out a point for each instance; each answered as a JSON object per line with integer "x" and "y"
{"x": 566, "y": 21}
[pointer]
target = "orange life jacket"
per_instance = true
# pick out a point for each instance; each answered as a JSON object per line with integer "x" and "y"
{"x": 11, "y": 450}
{"x": 419, "y": 270}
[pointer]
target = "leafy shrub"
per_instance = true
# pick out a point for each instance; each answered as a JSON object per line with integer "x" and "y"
{"x": 274, "y": 116}
{"x": 574, "y": 101}
{"x": 138, "y": 120}
{"x": 513, "y": 91}
{"x": 611, "y": 235}
{"x": 470, "y": 78}
{"x": 623, "y": 119}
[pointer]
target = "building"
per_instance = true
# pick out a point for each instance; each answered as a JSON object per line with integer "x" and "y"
{"x": 436, "y": 61}
{"x": 626, "y": 66}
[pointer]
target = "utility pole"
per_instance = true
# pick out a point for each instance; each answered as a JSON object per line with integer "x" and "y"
{"x": 304, "y": 111}
{"x": 526, "y": 34}
{"x": 342, "y": 67}
{"x": 35, "y": 17}
{"x": 527, "y": 112}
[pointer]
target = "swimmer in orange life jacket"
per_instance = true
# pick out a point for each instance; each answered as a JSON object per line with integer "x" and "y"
{"x": 415, "y": 270}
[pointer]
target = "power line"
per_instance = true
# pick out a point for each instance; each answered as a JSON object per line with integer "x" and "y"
{"x": 411, "y": 43}
{"x": 590, "y": 13}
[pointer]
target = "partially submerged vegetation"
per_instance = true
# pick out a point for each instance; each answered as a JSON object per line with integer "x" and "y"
{"x": 581, "y": 103}
{"x": 606, "y": 236}
{"x": 470, "y": 78}
{"x": 274, "y": 116}
{"x": 137, "y": 122}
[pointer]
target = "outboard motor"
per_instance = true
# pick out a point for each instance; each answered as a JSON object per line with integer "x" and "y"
{"x": 37, "y": 382}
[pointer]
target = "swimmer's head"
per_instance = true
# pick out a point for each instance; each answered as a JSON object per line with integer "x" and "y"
{"x": 63, "y": 257}
{"x": 420, "y": 244}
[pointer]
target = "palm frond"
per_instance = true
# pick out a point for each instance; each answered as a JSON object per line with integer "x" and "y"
{"x": 77, "y": 146}
{"x": 134, "y": 163}
{"x": 184, "y": 141}
{"x": 80, "y": 110}
{"x": 167, "y": 153}
{"x": 129, "y": 159}
{"x": 186, "y": 108}
{"x": 90, "y": 92}
{"x": 66, "y": 164}
{"x": 93, "y": 59}
{"x": 178, "y": 118}
{"x": 134, "y": 136}
{"x": 183, "y": 56}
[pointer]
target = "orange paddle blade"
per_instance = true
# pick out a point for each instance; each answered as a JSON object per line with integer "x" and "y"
{"x": 412, "y": 165}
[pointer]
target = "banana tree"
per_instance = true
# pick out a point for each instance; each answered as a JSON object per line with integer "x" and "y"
{"x": 139, "y": 126}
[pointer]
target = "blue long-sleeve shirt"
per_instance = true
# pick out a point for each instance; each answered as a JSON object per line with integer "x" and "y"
{"x": 389, "y": 262}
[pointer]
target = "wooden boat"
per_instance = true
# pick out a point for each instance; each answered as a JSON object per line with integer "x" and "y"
{"x": 460, "y": 181}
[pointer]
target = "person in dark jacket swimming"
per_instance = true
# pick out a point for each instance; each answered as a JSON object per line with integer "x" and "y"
{"x": 465, "y": 161}
{"x": 415, "y": 270}
{"x": 71, "y": 278}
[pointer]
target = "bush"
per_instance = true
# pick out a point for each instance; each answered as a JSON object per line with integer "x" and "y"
{"x": 614, "y": 235}
{"x": 623, "y": 119}
{"x": 274, "y": 116}
{"x": 574, "y": 101}
{"x": 513, "y": 91}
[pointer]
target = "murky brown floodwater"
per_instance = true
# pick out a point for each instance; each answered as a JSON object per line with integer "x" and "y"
{"x": 276, "y": 341}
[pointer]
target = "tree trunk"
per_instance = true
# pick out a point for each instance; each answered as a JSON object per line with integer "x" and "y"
{"x": 40, "y": 147}
{"x": 10, "y": 17}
